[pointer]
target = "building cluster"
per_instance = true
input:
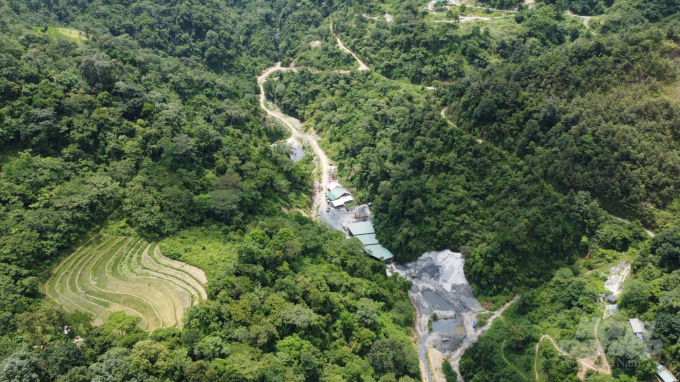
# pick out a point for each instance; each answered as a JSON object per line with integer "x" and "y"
{"x": 366, "y": 234}
{"x": 337, "y": 195}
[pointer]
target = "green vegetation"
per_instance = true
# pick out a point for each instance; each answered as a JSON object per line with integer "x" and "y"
{"x": 133, "y": 144}
{"x": 110, "y": 274}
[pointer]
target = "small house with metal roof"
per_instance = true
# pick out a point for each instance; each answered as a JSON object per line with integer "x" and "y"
{"x": 337, "y": 193}
{"x": 664, "y": 374}
{"x": 637, "y": 326}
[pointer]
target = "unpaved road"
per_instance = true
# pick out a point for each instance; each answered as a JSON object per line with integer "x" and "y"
{"x": 472, "y": 338}
{"x": 467, "y": 19}
{"x": 362, "y": 65}
{"x": 295, "y": 126}
{"x": 650, "y": 233}
{"x": 318, "y": 201}
{"x": 584, "y": 364}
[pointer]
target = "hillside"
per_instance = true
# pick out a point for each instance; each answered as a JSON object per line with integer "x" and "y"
{"x": 155, "y": 226}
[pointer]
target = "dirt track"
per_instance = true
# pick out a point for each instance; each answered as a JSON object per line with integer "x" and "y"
{"x": 474, "y": 337}
{"x": 584, "y": 364}
{"x": 318, "y": 201}
{"x": 362, "y": 65}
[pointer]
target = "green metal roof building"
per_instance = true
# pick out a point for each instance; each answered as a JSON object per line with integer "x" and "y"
{"x": 360, "y": 228}
{"x": 336, "y": 193}
{"x": 368, "y": 239}
{"x": 379, "y": 252}
{"x": 365, "y": 232}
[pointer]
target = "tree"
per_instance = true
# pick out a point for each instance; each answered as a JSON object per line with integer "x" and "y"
{"x": 391, "y": 356}
{"x": 636, "y": 296}
{"x": 77, "y": 374}
{"x": 99, "y": 70}
{"x": 62, "y": 357}
{"x": 666, "y": 245}
{"x": 517, "y": 335}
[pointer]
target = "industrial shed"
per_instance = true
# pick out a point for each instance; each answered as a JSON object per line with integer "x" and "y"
{"x": 368, "y": 239}
{"x": 337, "y": 193}
{"x": 379, "y": 252}
{"x": 360, "y": 228}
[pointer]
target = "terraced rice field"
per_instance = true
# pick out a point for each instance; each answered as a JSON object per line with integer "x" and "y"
{"x": 109, "y": 274}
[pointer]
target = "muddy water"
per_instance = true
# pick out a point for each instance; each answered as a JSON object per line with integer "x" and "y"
{"x": 297, "y": 153}
{"x": 436, "y": 301}
{"x": 440, "y": 286}
{"x": 446, "y": 326}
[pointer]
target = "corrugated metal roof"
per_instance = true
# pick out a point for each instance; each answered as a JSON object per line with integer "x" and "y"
{"x": 360, "y": 228}
{"x": 333, "y": 185}
{"x": 379, "y": 252}
{"x": 340, "y": 201}
{"x": 368, "y": 239}
{"x": 336, "y": 193}
{"x": 666, "y": 376}
{"x": 636, "y": 325}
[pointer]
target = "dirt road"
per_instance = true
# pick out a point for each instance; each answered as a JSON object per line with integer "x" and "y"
{"x": 650, "y": 233}
{"x": 584, "y": 364}
{"x": 362, "y": 65}
{"x": 296, "y": 127}
{"x": 472, "y": 338}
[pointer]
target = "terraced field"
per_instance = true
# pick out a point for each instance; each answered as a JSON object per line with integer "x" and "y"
{"x": 109, "y": 274}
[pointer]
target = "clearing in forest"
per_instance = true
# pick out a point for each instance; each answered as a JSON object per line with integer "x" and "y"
{"x": 71, "y": 34}
{"x": 109, "y": 274}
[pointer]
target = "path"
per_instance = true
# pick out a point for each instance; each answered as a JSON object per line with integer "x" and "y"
{"x": 342, "y": 47}
{"x": 318, "y": 201}
{"x": 538, "y": 344}
{"x": 650, "y": 233}
{"x": 584, "y": 364}
{"x": 474, "y": 337}
{"x": 295, "y": 126}
{"x": 466, "y": 19}
{"x": 447, "y": 120}
{"x": 479, "y": 140}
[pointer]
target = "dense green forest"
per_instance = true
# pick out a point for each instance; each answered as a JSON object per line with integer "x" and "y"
{"x": 148, "y": 122}
{"x": 558, "y": 127}
{"x": 142, "y": 118}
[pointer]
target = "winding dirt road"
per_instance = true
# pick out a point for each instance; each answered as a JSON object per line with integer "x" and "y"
{"x": 584, "y": 364}
{"x": 472, "y": 338}
{"x": 362, "y": 65}
{"x": 295, "y": 127}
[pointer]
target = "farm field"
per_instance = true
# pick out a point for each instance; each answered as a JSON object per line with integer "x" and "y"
{"x": 109, "y": 274}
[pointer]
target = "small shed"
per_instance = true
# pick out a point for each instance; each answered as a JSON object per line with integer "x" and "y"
{"x": 379, "y": 252}
{"x": 368, "y": 239}
{"x": 637, "y": 326}
{"x": 337, "y": 193}
{"x": 611, "y": 298}
{"x": 342, "y": 200}
{"x": 664, "y": 374}
{"x": 360, "y": 228}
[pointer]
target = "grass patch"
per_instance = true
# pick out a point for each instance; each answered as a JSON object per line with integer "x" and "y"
{"x": 203, "y": 247}
{"x": 71, "y": 34}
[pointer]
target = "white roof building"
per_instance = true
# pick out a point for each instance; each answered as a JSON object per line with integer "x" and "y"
{"x": 637, "y": 325}
{"x": 333, "y": 185}
{"x": 342, "y": 200}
